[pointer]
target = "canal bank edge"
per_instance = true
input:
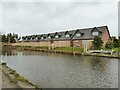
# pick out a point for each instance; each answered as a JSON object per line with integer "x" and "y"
{"x": 69, "y": 52}
{"x": 102, "y": 55}
{"x": 17, "y": 78}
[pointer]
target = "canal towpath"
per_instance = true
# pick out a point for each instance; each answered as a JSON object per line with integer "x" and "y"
{"x": 5, "y": 81}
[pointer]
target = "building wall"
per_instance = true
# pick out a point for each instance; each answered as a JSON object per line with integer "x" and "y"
{"x": 67, "y": 43}
{"x": 33, "y": 44}
{"x": 61, "y": 44}
{"x": 44, "y": 43}
{"x": 77, "y": 43}
{"x": 82, "y": 43}
{"x": 105, "y": 37}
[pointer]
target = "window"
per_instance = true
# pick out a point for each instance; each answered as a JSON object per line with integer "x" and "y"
{"x": 33, "y": 38}
{"x": 78, "y": 34}
{"x": 49, "y": 37}
{"x": 56, "y": 36}
{"x": 94, "y": 33}
{"x": 41, "y": 37}
{"x": 67, "y": 35}
{"x": 36, "y": 38}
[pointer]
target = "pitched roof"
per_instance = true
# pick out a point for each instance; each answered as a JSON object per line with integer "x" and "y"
{"x": 62, "y": 35}
{"x": 86, "y": 33}
{"x": 51, "y": 35}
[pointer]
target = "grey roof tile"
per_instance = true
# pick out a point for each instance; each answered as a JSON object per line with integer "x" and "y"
{"x": 86, "y": 33}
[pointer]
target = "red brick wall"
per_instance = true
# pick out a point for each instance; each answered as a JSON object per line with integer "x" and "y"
{"x": 77, "y": 42}
{"x": 105, "y": 37}
{"x": 61, "y": 43}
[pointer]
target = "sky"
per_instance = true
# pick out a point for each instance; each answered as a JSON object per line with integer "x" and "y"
{"x": 43, "y": 16}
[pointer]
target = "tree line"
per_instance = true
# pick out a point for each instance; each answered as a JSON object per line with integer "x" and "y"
{"x": 10, "y": 38}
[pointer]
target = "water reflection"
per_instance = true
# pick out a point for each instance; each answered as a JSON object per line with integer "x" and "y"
{"x": 50, "y": 70}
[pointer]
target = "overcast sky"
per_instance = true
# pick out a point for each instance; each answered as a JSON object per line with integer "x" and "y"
{"x": 36, "y": 17}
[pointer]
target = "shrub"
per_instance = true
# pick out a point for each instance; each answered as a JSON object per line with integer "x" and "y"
{"x": 97, "y": 43}
{"x": 109, "y": 45}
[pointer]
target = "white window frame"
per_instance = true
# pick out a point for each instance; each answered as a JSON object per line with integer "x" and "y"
{"x": 49, "y": 37}
{"x": 56, "y": 36}
{"x": 42, "y": 38}
{"x": 95, "y": 33}
{"x": 67, "y": 35}
{"x": 78, "y": 34}
{"x": 36, "y": 38}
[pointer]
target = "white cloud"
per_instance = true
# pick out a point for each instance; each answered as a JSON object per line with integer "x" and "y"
{"x": 59, "y": 0}
{"x": 43, "y": 17}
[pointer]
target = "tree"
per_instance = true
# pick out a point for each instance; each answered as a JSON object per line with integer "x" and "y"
{"x": 4, "y": 38}
{"x": 109, "y": 44}
{"x": 11, "y": 38}
{"x": 116, "y": 42}
{"x": 97, "y": 43}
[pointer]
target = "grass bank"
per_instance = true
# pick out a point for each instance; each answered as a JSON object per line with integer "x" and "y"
{"x": 73, "y": 49}
{"x": 114, "y": 49}
{"x": 63, "y": 50}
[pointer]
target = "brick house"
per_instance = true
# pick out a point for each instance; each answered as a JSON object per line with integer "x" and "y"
{"x": 85, "y": 36}
{"x": 63, "y": 39}
{"x": 71, "y": 38}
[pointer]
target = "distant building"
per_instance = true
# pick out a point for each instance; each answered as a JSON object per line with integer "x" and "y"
{"x": 70, "y": 38}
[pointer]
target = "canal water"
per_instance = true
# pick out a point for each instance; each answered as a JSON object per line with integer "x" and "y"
{"x": 50, "y": 70}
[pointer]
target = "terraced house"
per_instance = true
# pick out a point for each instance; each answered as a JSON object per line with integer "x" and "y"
{"x": 69, "y": 38}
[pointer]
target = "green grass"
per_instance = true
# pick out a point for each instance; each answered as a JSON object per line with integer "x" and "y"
{"x": 39, "y": 47}
{"x": 75, "y": 49}
{"x": 17, "y": 46}
{"x": 114, "y": 49}
{"x": 17, "y": 77}
{"x": 42, "y": 47}
{"x": 20, "y": 78}
{"x": 23, "y": 46}
{"x": 27, "y": 46}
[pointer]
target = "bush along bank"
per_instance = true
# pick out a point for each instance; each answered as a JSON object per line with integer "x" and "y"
{"x": 18, "y": 79}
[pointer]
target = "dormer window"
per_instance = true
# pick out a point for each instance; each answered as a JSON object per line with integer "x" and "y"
{"x": 33, "y": 38}
{"x": 30, "y": 38}
{"x": 56, "y": 36}
{"x": 49, "y": 37}
{"x": 95, "y": 33}
{"x": 36, "y": 38}
{"x": 67, "y": 35}
{"x": 78, "y": 34}
{"x": 42, "y": 38}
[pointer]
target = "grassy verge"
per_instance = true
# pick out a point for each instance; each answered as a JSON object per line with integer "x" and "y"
{"x": 42, "y": 47}
{"x": 114, "y": 49}
{"x": 72, "y": 49}
{"x": 38, "y": 47}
